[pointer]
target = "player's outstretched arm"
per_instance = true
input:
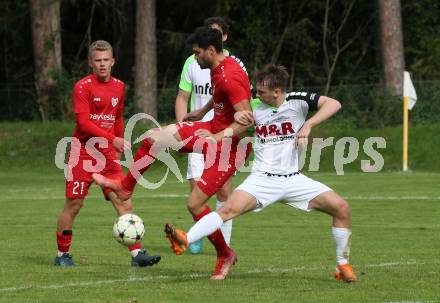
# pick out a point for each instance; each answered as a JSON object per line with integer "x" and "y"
{"x": 327, "y": 107}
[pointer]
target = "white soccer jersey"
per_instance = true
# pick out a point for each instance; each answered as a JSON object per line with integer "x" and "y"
{"x": 275, "y": 131}
{"x": 197, "y": 81}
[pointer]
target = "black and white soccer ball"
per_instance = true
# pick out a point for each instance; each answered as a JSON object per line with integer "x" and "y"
{"x": 128, "y": 229}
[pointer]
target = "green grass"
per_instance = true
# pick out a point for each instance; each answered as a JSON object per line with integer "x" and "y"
{"x": 285, "y": 255}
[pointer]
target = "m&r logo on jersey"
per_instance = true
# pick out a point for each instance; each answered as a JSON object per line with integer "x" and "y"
{"x": 273, "y": 129}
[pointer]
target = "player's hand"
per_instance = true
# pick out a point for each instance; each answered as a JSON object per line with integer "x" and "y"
{"x": 121, "y": 144}
{"x": 244, "y": 117}
{"x": 302, "y": 137}
{"x": 204, "y": 133}
{"x": 195, "y": 115}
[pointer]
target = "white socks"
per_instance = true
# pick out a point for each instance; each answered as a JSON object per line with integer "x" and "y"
{"x": 342, "y": 241}
{"x": 204, "y": 227}
{"x": 134, "y": 252}
{"x": 226, "y": 227}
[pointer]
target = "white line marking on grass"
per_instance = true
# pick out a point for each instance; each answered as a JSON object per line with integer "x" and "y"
{"x": 102, "y": 282}
{"x": 392, "y": 198}
{"x": 132, "y": 278}
{"x": 388, "y": 264}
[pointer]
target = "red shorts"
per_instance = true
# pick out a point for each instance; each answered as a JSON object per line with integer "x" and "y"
{"x": 221, "y": 159}
{"x": 80, "y": 179}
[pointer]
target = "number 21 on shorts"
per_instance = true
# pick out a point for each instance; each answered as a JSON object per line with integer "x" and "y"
{"x": 78, "y": 188}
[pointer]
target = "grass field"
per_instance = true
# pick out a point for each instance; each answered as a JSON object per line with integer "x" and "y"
{"x": 284, "y": 255}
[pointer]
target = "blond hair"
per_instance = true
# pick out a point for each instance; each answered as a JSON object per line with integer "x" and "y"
{"x": 100, "y": 45}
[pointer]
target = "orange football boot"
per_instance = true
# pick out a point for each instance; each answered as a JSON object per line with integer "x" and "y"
{"x": 177, "y": 238}
{"x": 345, "y": 273}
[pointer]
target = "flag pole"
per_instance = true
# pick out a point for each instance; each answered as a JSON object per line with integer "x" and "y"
{"x": 405, "y": 134}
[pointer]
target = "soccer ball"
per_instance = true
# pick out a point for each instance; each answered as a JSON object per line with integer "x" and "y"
{"x": 128, "y": 229}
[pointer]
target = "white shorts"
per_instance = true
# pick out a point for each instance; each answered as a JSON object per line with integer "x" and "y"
{"x": 295, "y": 191}
{"x": 196, "y": 164}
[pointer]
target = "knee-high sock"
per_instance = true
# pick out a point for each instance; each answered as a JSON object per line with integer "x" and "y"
{"x": 135, "y": 249}
{"x": 64, "y": 240}
{"x": 342, "y": 241}
{"x": 143, "y": 159}
{"x": 215, "y": 237}
{"x": 204, "y": 227}
{"x": 226, "y": 227}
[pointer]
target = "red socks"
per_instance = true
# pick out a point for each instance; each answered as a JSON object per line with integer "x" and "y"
{"x": 216, "y": 238}
{"x": 136, "y": 246}
{"x": 64, "y": 240}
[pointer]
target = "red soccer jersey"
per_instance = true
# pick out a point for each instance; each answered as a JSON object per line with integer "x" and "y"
{"x": 230, "y": 85}
{"x": 103, "y": 104}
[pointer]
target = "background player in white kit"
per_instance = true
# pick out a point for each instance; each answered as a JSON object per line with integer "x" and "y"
{"x": 195, "y": 86}
{"x": 280, "y": 125}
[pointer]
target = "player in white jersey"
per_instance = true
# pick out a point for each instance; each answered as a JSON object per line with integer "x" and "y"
{"x": 195, "y": 86}
{"x": 280, "y": 126}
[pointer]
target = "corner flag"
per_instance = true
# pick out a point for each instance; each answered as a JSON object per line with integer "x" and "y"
{"x": 409, "y": 91}
{"x": 409, "y": 100}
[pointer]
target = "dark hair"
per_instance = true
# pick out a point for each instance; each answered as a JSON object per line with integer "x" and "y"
{"x": 205, "y": 36}
{"x": 273, "y": 76}
{"x": 219, "y": 21}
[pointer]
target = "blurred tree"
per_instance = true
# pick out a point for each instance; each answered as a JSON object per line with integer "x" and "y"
{"x": 45, "y": 22}
{"x": 287, "y": 32}
{"x": 392, "y": 45}
{"x": 145, "y": 82}
{"x": 338, "y": 42}
{"x": 421, "y": 28}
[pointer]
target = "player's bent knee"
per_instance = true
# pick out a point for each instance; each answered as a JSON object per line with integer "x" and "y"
{"x": 197, "y": 201}
{"x": 127, "y": 206}
{"x": 227, "y": 212}
{"x": 343, "y": 209}
{"x": 196, "y": 207}
{"x": 73, "y": 206}
{"x": 193, "y": 208}
{"x": 222, "y": 195}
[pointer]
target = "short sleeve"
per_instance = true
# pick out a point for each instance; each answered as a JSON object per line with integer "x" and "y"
{"x": 311, "y": 99}
{"x": 236, "y": 90}
{"x": 80, "y": 96}
{"x": 185, "y": 77}
{"x": 240, "y": 63}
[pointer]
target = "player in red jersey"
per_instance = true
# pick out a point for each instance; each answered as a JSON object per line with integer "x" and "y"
{"x": 231, "y": 94}
{"x": 97, "y": 144}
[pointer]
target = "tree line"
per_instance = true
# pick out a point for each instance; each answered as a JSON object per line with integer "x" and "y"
{"x": 323, "y": 43}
